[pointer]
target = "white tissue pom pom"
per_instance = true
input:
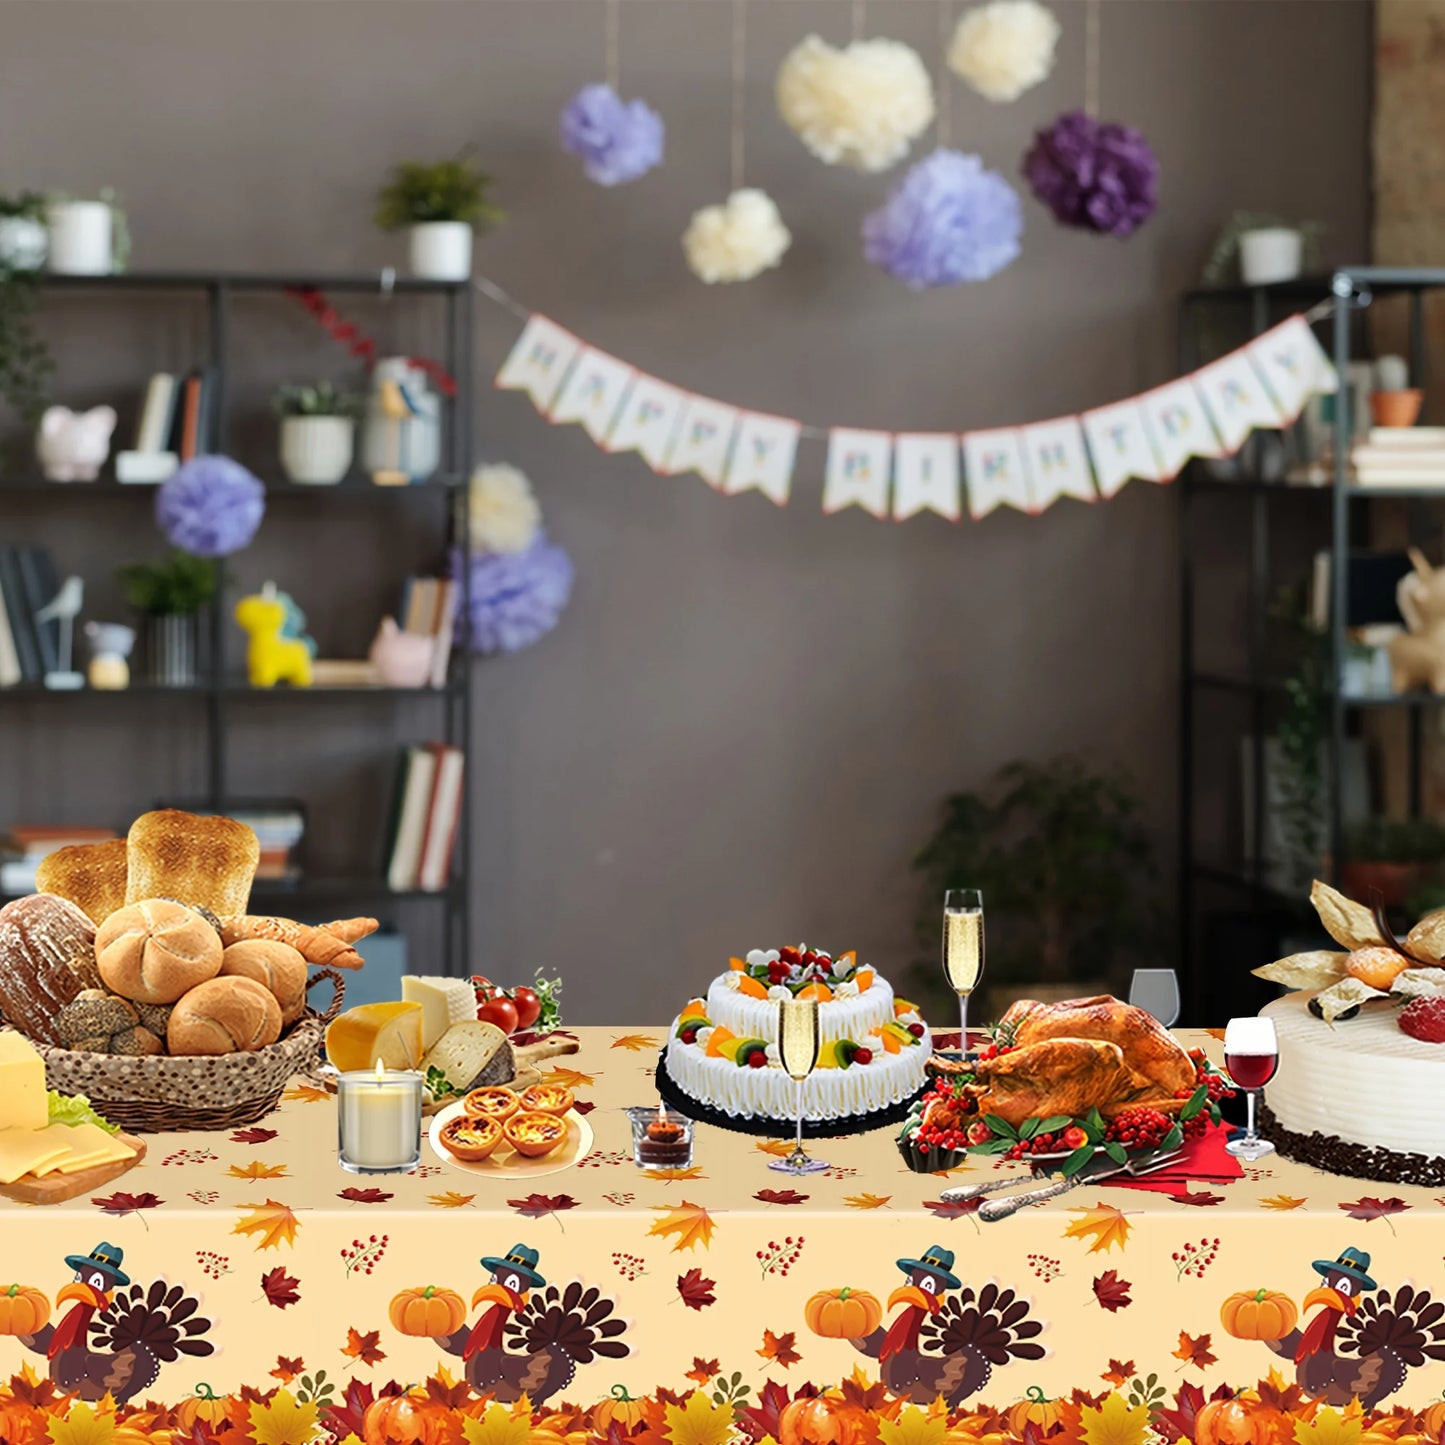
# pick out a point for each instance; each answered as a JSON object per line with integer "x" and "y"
{"x": 505, "y": 516}
{"x": 1004, "y": 48}
{"x": 860, "y": 106}
{"x": 736, "y": 240}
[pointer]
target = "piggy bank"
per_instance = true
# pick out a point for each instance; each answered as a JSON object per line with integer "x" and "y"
{"x": 72, "y": 446}
{"x": 401, "y": 659}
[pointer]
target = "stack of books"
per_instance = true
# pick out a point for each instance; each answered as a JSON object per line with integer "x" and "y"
{"x": 429, "y": 609}
{"x": 279, "y": 832}
{"x": 28, "y": 583}
{"x": 24, "y": 846}
{"x": 177, "y": 421}
{"x": 425, "y": 817}
{"x": 1400, "y": 456}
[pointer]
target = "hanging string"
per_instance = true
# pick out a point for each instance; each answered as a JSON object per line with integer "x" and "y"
{"x": 858, "y": 19}
{"x": 740, "y": 37}
{"x": 1091, "y": 59}
{"x": 945, "y": 107}
{"x": 612, "y": 61}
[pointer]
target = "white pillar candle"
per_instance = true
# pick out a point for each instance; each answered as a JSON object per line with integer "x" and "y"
{"x": 378, "y": 1118}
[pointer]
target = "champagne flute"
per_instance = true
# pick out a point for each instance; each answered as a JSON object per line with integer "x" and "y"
{"x": 798, "y": 1052}
{"x": 1251, "y": 1055}
{"x": 963, "y": 949}
{"x": 1156, "y": 991}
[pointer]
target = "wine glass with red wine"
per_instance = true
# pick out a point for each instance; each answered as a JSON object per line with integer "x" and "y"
{"x": 1251, "y": 1055}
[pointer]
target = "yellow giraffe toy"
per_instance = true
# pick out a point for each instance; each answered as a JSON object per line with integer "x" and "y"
{"x": 272, "y": 657}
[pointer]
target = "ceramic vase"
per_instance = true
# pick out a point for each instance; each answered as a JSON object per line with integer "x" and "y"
{"x": 1270, "y": 255}
{"x": 81, "y": 238}
{"x": 316, "y": 450}
{"x": 441, "y": 250}
{"x": 171, "y": 650}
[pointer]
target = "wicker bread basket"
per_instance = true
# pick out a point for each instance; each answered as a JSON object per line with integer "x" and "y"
{"x": 158, "y": 1093}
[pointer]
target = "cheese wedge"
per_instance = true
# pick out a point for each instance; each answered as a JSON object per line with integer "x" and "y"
{"x": 471, "y": 1056}
{"x": 22, "y": 1083}
{"x": 376, "y": 1033}
{"x": 444, "y": 1002}
{"x": 24, "y": 1151}
{"x": 90, "y": 1145}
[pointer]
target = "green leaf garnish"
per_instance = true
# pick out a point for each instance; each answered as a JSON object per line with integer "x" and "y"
{"x": 76, "y": 1109}
{"x": 1172, "y": 1140}
{"x": 1054, "y": 1123}
{"x": 1029, "y": 1128}
{"x": 1001, "y": 1127}
{"x": 1196, "y": 1103}
{"x": 1116, "y": 1151}
{"x": 1077, "y": 1160}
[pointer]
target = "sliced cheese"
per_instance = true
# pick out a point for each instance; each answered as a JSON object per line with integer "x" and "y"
{"x": 22, "y": 1084}
{"x": 376, "y": 1033}
{"x": 471, "y": 1055}
{"x": 91, "y": 1146}
{"x": 25, "y": 1151}
{"x": 444, "y": 1002}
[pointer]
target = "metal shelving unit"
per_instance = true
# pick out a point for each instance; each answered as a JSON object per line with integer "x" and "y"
{"x": 220, "y": 694}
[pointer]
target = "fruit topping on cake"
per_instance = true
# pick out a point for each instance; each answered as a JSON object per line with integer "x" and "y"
{"x": 802, "y": 972}
{"x": 1376, "y": 967}
{"x": 1424, "y": 1019}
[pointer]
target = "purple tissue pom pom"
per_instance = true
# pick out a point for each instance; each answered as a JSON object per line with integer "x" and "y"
{"x": 210, "y": 506}
{"x": 948, "y": 220}
{"x": 615, "y": 140}
{"x": 1094, "y": 174}
{"x": 517, "y": 597}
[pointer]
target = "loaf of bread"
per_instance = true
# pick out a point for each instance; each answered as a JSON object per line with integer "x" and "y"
{"x": 90, "y": 875}
{"x": 276, "y": 966}
{"x": 156, "y": 950}
{"x": 197, "y": 858}
{"x": 224, "y": 1016}
{"x": 47, "y": 957}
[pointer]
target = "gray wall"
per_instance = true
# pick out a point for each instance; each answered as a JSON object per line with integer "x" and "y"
{"x": 743, "y": 728}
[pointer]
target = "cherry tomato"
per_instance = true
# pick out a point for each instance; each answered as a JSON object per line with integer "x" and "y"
{"x": 499, "y": 1011}
{"x": 529, "y": 1006}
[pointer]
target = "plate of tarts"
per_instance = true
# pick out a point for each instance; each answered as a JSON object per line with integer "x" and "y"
{"x": 516, "y": 1137}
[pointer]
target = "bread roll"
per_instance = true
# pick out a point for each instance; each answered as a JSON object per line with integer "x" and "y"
{"x": 94, "y": 1012}
{"x": 90, "y": 875}
{"x": 224, "y": 1016}
{"x": 209, "y": 861}
{"x": 276, "y": 966}
{"x": 47, "y": 957}
{"x": 154, "y": 951}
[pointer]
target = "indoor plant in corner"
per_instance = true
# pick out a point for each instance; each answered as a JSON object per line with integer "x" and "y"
{"x": 318, "y": 432}
{"x": 168, "y": 594}
{"x": 440, "y": 204}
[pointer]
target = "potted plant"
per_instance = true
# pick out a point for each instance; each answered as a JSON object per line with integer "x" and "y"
{"x": 23, "y": 237}
{"x": 1391, "y": 857}
{"x": 168, "y": 594}
{"x": 440, "y": 204}
{"x": 1064, "y": 867}
{"x": 318, "y": 432}
{"x": 87, "y": 238}
{"x": 1267, "y": 249}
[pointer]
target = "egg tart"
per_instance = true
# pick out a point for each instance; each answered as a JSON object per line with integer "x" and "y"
{"x": 497, "y": 1104}
{"x": 548, "y": 1099}
{"x": 535, "y": 1135}
{"x": 470, "y": 1139}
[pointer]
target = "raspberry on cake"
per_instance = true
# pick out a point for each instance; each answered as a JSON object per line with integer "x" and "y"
{"x": 1425, "y": 1020}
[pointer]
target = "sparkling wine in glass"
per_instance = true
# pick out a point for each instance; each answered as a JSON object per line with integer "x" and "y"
{"x": 798, "y": 1052}
{"x": 1156, "y": 991}
{"x": 963, "y": 949}
{"x": 1251, "y": 1055}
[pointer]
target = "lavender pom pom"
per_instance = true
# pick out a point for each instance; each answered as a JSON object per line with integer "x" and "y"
{"x": 615, "y": 140}
{"x": 948, "y": 220}
{"x": 517, "y": 597}
{"x": 211, "y": 506}
{"x": 1095, "y": 175}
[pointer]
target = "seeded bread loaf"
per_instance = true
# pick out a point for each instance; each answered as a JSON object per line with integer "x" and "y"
{"x": 47, "y": 957}
{"x": 199, "y": 859}
{"x": 90, "y": 875}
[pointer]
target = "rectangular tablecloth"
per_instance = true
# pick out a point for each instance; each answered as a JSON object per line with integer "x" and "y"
{"x": 252, "y": 1247}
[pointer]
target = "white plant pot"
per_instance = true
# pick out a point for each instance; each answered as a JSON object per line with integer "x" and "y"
{"x": 316, "y": 450}
{"x": 441, "y": 250}
{"x": 23, "y": 243}
{"x": 1273, "y": 254}
{"x": 81, "y": 238}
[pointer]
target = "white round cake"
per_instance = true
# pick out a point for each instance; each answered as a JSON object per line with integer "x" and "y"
{"x": 873, "y": 1052}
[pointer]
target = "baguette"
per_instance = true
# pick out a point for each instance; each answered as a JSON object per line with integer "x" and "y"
{"x": 198, "y": 859}
{"x": 91, "y": 875}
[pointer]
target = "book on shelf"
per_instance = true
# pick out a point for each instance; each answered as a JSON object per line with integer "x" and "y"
{"x": 279, "y": 832}
{"x": 28, "y": 583}
{"x": 24, "y": 845}
{"x": 443, "y": 817}
{"x": 426, "y": 817}
{"x": 10, "y": 671}
{"x": 158, "y": 413}
{"x": 417, "y": 774}
{"x": 428, "y": 609}
{"x": 188, "y": 418}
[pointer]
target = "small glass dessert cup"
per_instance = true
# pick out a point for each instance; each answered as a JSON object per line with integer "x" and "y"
{"x": 661, "y": 1138}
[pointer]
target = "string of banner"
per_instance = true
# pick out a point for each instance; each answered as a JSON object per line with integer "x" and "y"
{"x": 1088, "y": 456}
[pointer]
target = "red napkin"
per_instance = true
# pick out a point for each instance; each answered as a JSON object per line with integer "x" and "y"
{"x": 1204, "y": 1161}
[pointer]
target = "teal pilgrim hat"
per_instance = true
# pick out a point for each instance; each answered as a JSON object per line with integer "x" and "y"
{"x": 107, "y": 1258}
{"x": 519, "y": 1258}
{"x": 937, "y": 1262}
{"x": 1353, "y": 1262}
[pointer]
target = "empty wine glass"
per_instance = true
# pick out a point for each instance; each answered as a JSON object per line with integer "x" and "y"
{"x": 1156, "y": 991}
{"x": 1251, "y": 1055}
{"x": 798, "y": 1053}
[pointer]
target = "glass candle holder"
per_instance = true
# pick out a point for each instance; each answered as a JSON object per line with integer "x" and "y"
{"x": 661, "y": 1138}
{"x": 378, "y": 1121}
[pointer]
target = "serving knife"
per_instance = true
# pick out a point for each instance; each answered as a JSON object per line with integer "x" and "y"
{"x": 1099, "y": 1168}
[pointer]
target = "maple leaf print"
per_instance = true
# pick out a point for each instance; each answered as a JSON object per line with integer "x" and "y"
{"x": 780, "y": 1196}
{"x": 498, "y": 1425}
{"x": 1332, "y": 1427}
{"x": 584, "y": 1106}
{"x": 1120, "y": 1372}
{"x": 690, "y": 1223}
{"x": 348, "y": 1417}
{"x": 672, "y": 1176}
{"x": 695, "y": 1291}
{"x": 866, "y": 1201}
{"x": 121, "y": 1204}
{"x": 914, "y": 1427}
{"x": 779, "y": 1348}
{"x": 778, "y": 1148}
{"x": 634, "y": 1043}
{"x": 83, "y": 1425}
{"x": 256, "y": 1170}
{"x": 287, "y": 1369}
{"x": 952, "y": 1208}
{"x": 1194, "y": 1350}
{"x": 273, "y": 1223}
{"x": 699, "y": 1421}
{"x": 703, "y": 1371}
{"x": 305, "y": 1094}
{"x": 253, "y": 1135}
{"x": 451, "y": 1199}
{"x": 283, "y": 1420}
{"x": 444, "y": 1391}
{"x": 363, "y": 1347}
{"x": 567, "y": 1078}
{"x": 1202, "y": 1197}
{"x": 1107, "y": 1226}
{"x": 1111, "y": 1291}
{"x": 861, "y": 1393}
{"x": 357, "y": 1195}
{"x": 1371, "y": 1208}
{"x": 1275, "y": 1394}
{"x": 1177, "y": 1421}
{"x": 1281, "y": 1201}
{"x": 539, "y": 1206}
{"x": 281, "y": 1289}
{"x": 765, "y": 1418}
{"x": 1115, "y": 1422}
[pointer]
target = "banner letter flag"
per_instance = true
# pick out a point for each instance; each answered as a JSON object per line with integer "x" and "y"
{"x": 648, "y": 421}
{"x": 704, "y": 439}
{"x": 1293, "y": 364}
{"x": 993, "y": 471}
{"x": 593, "y": 392}
{"x": 1236, "y": 398}
{"x": 925, "y": 475}
{"x": 1178, "y": 426}
{"x": 1119, "y": 446}
{"x": 857, "y": 470}
{"x": 539, "y": 361}
{"x": 763, "y": 453}
{"x": 1057, "y": 464}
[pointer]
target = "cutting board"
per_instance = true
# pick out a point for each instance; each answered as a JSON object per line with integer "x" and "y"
{"x": 57, "y": 1188}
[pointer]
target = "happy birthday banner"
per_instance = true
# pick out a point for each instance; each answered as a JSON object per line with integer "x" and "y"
{"x": 1209, "y": 413}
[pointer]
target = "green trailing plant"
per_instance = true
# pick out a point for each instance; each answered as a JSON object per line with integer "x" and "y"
{"x": 27, "y": 205}
{"x": 323, "y": 399}
{"x": 449, "y": 190}
{"x": 1301, "y": 733}
{"x": 1222, "y": 267}
{"x": 175, "y": 586}
{"x": 25, "y": 362}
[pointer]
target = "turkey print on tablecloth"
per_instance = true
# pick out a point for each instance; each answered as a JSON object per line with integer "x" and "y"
{"x": 1360, "y": 1342}
{"x": 116, "y": 1334}
{"x": 945, "y": 1339}
{"x": 531, "y": 1336}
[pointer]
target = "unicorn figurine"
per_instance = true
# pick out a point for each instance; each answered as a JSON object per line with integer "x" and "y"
{"x": 277, "y": 650}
